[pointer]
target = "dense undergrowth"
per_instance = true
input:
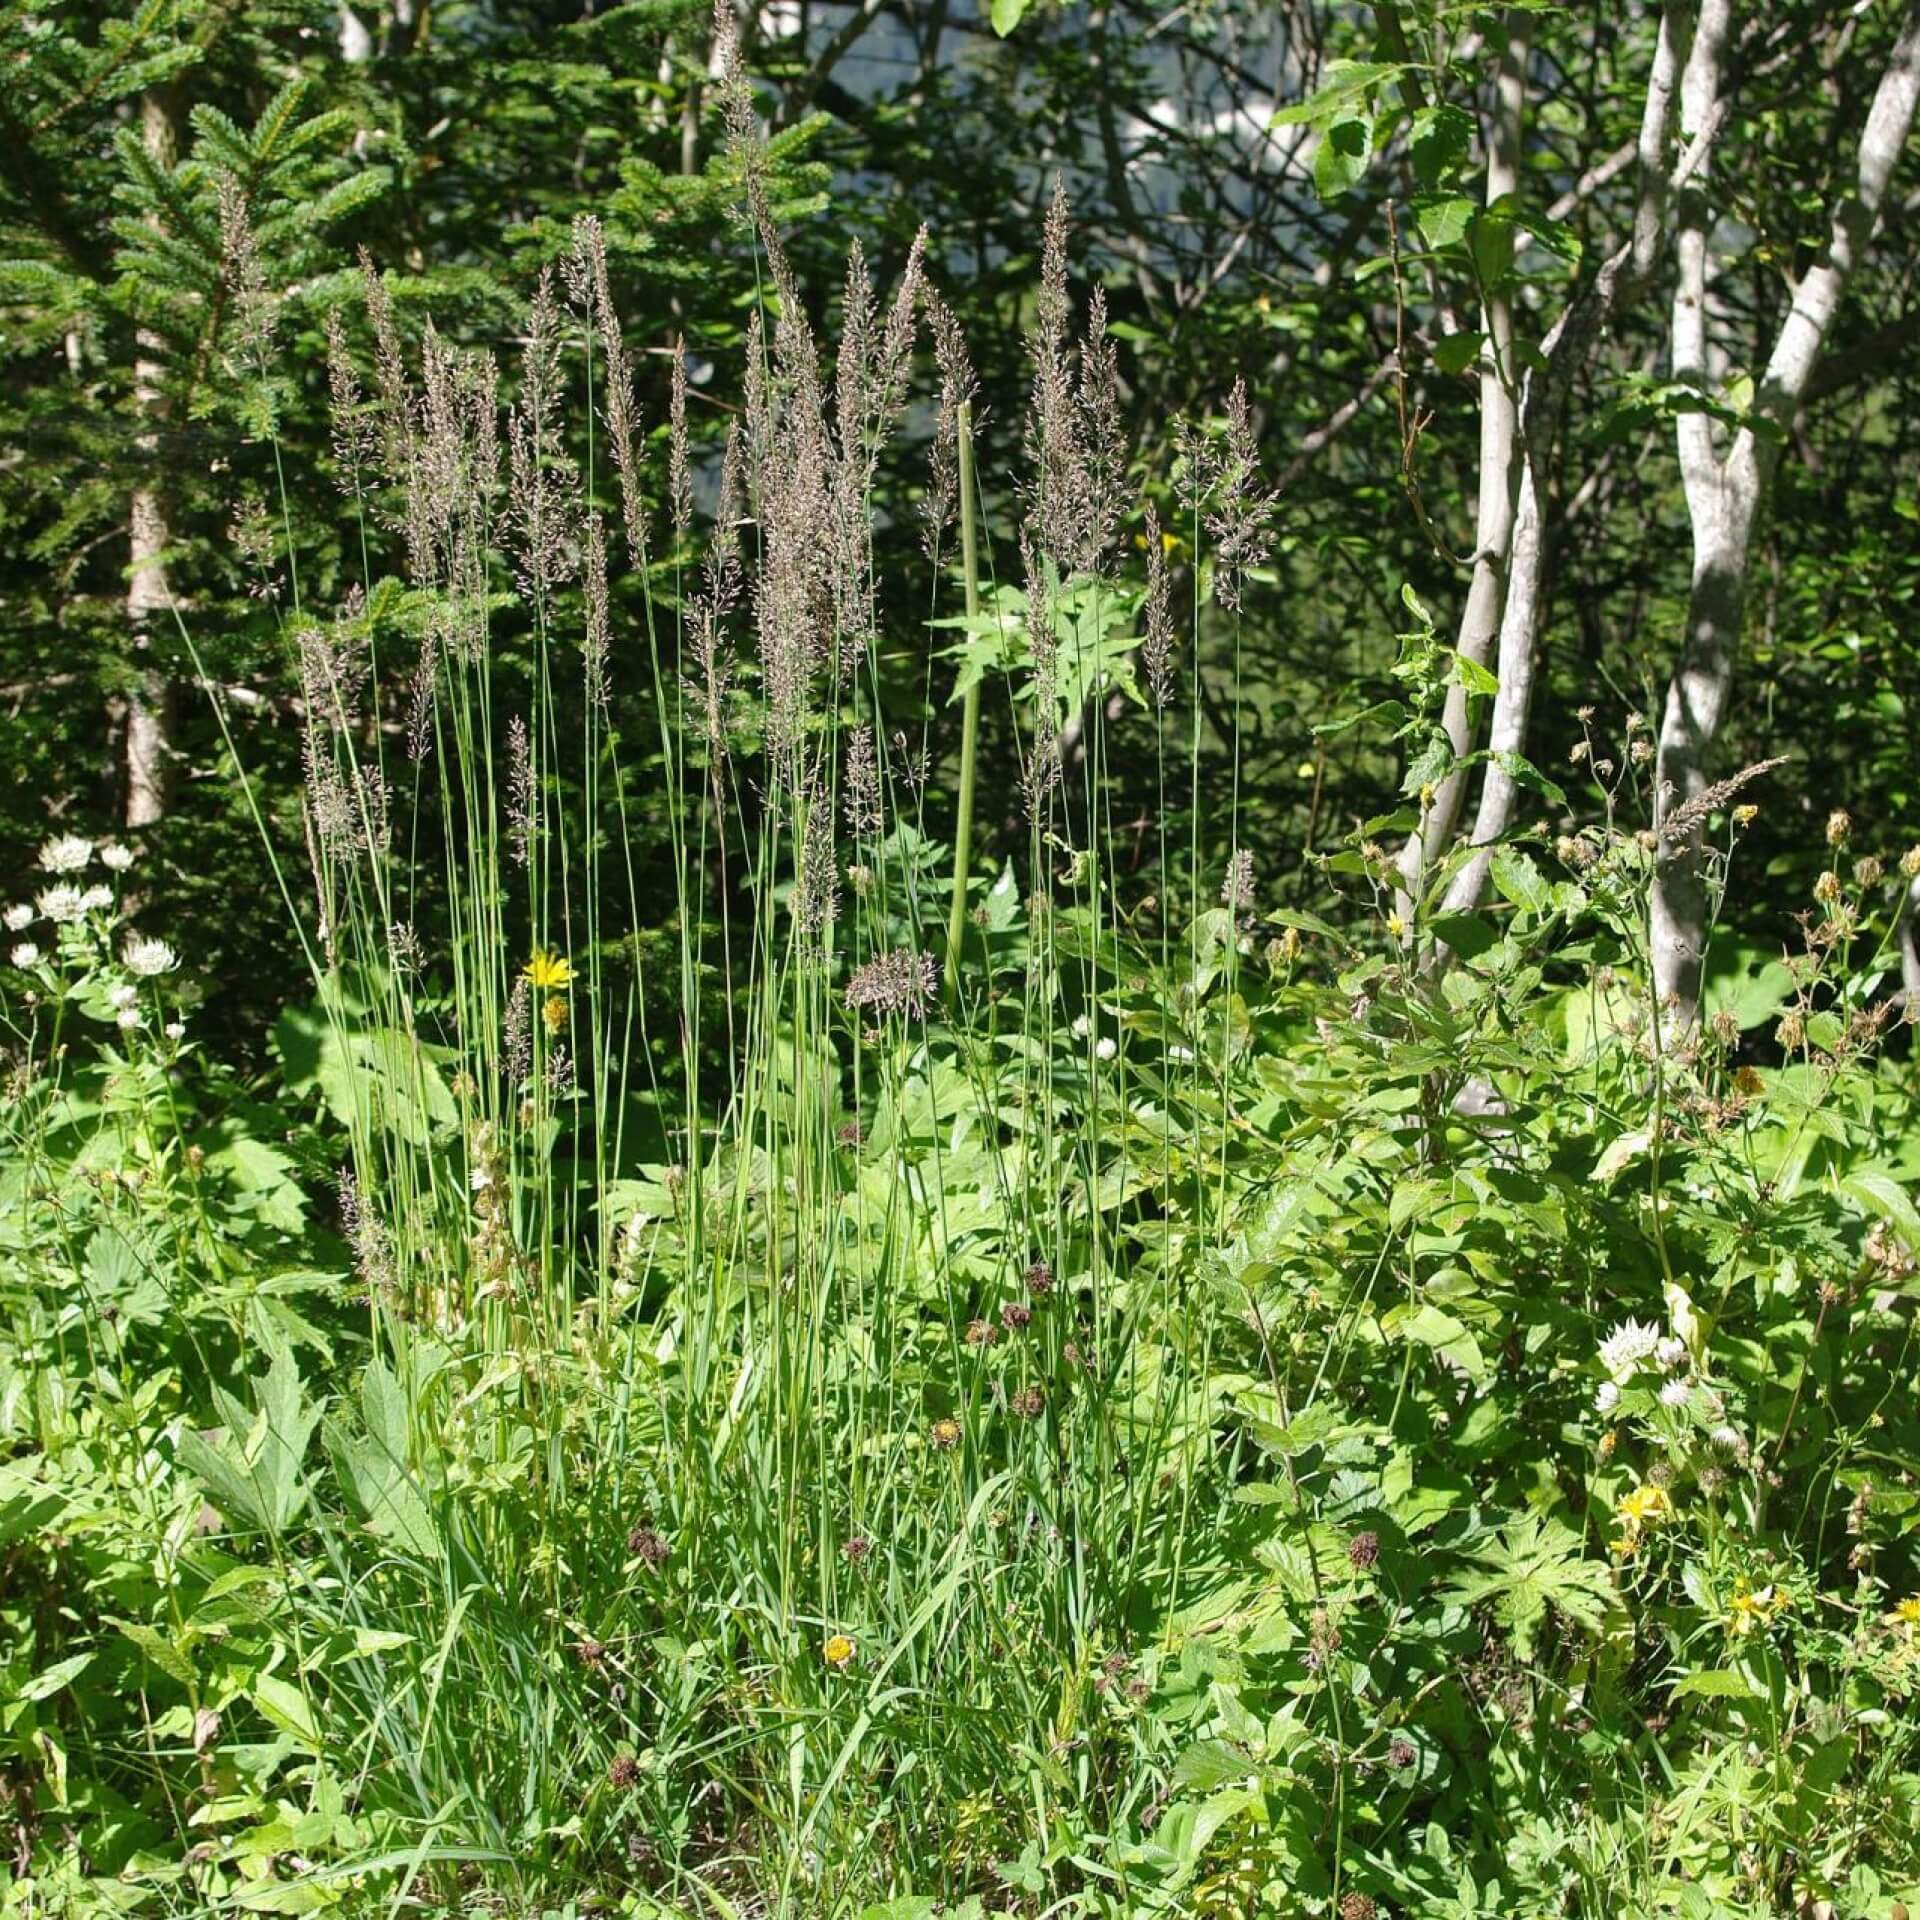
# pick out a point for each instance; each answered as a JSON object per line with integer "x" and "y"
{"x": 1137, "y": 1404}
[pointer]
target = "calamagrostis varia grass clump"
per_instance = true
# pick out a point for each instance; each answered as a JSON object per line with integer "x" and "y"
{"x": 805, "y": 1254}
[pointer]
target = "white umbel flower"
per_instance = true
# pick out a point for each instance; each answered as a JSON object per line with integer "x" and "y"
{"x": 63, "y": 905}
{"x": 1676, "y": 1393}
{"x": 1105, "y": 1048}
{"x": 1671, "y": 1352}
{"x": 128, "y": 1018}
{"x": 25, "y": 955}
{"x": 19, "y": 918}
{"x": 122, "y": 996}
{"x": 68, "y": 853}
{"x": 1606, "y": 1398}
{"x": 116, "y": 858}
{"x": 1628, "y": 1348}
{"x": 149, "y": 958}
{"x": 96, "y": 899}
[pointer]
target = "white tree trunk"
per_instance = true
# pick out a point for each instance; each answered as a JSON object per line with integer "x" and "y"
{"x": 1910, "y": 951}
{"x": 1499, "y": 478}
{"x": 1726, "y": 491}
{"x": 1586, "y": 317}
{"x": 1519, "y": 657}
{"x": 149, "y": 744}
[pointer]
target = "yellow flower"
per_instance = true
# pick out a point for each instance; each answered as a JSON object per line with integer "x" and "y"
{"x": 1645, "y": 1506}
{"x": 1396, "y": 927}
{"x": 554, "y": 1013}
{"x": 1907, "y": 1614}
{"x": 1748, "y": 1610}
{"x": 1636, "y": 1511}
{"x": 549, "y": 970}
{"x": 838, "y": 1651}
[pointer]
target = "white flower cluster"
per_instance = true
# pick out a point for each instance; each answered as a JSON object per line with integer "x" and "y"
{"x": 66, "y": 905}
{"x": 1631, "y": 1348}
{"x": 1627, "y": 1349}
{"x": 68, "y": 853}
{"x": 148, "y": 958}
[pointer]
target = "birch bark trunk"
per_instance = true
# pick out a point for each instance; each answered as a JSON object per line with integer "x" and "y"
{"x": 1499, "y": 479}
{"x": 1726, "y": 492}
{"x": 149, "y": 741}
{"x": 1620, "y": 281}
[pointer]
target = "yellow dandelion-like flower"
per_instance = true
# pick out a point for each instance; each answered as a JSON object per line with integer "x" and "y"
{"x": 1748, "y": 1611}
{"x": 554, "y": 1012}
{"x": 1645, "y": 1506}
{"x": 548, "y": 971}
{"x": 838, "y": 1651}
{"x": 1907, "y": 1615}
{"x": 945, "y": 1433}
{"x": 1635, "y": 1512}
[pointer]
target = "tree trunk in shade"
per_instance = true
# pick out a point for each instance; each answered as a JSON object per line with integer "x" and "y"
{"x": 150, "y": 712}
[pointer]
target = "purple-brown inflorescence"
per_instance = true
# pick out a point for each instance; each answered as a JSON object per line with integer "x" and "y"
{"x": 901, "y": 982}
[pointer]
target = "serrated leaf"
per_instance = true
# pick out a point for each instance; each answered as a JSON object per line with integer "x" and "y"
{"x": 1209, "y": 1764}
{"x": 158, "y": 1648}
{"x": 1536, "y": 1566}
{"x": 1520, "y": 881}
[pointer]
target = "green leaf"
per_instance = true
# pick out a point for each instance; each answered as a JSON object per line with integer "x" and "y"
{"x": 286, "y": 1706}
{"x": 1345, "y": 80}
{"x": 1208, "y": 1764}
{"x": 1443, "y": 218}
{"x": 1455, "y": 353}
{"x": 1007, "y": 14}
{"x": 1879, "y": 1192}
{"x": 259, "y": 1481}
{"x": 373, "y": 1466}
{"x": 1715, "y": 1683}
{"x": 1628, "y": 1147}
{"x": 1340, "y": 159}
{"x": 1536, "y": 1565}
{"x": 1473, "y": 676}
{"x": 1465, "y": 933}
{"x": 158, "y": 1648}
{"x": 43, "y": 1685}
{"x": 1747, "y": 982}
{"x": 1520, "y": 881}
{"x": 1429, "y": 1326}
{"x": 1439, "y": 141}
{"x": 1520, "y": 768}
